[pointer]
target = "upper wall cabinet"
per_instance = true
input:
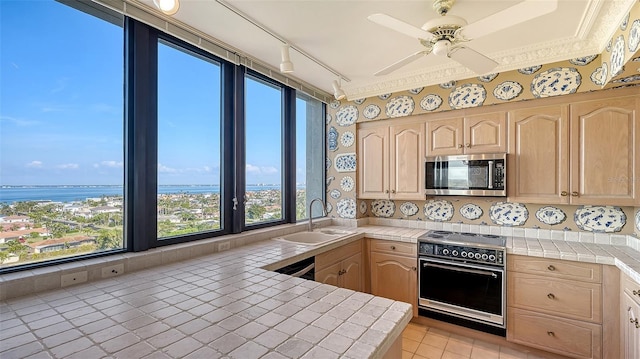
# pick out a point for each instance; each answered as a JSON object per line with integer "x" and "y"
{"x": 583, "y": 153}
{"x": 604, "y": 150}
{"x": 482, "y": 133}
{"x": 391, "y": 162}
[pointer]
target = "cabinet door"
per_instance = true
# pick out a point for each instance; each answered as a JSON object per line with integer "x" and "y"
{"x": 485, "y": 133}
{"x": 373, "y": 163}
{"x": 630, "y": 327}
{"x": 603, "y": 152}
{"x": 329, "y": 275}
{"x": 406, "y": 162}
{"x": 395, "y": 277}
{"x": 538, "y": 161}
{"x": 351, "y": 276}
{"x": 444, "y": 137}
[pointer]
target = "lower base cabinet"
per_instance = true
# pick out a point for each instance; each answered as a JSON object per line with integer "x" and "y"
{"x": 394, "y": 273}
{"x": 342, "y": 267}
{"x": 630, "y": 318}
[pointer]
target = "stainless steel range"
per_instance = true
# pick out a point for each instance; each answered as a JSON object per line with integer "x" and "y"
{"x": 462, "y": 279}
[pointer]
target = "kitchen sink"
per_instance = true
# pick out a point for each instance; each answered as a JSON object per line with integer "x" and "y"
{"x": 317, "y": 237}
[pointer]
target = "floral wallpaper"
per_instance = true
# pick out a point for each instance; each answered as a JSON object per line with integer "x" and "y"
{"x": 584, "y": 74}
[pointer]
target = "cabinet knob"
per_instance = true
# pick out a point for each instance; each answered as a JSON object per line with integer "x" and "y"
{"x": 636, "y": 292}
{"x": 386, "y": 191}
{"x": 575, "y": 194}
{"x": 564, "y": 193}
{"x": 551, "y": 268}
{"x": 460, "y": 145}
{"x": 551, "y": 296}
{"x": 551, "y": 334}
{"x": 468, "y": 145}
{"x": 393, "y": 191}
{"x": 635, "y": 321}
{"x": 414, "y": 268}
{"x": 393, "y": 248}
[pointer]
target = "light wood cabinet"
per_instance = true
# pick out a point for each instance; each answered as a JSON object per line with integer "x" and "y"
{"x": 630, "y": 318}
{"x": 560, "y": 306}
{"x": 391, "y": 162}
{"x": 394, "y": 272}
{"x": 341, "y": 267}
{"x": 481, "y": 133}
{"x": 604, "y": 151}
{"x": 582, "y": 153}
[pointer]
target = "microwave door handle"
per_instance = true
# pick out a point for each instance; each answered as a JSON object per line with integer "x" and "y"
{"x": 458, "y": 269}
{"x": 491, "y": 170}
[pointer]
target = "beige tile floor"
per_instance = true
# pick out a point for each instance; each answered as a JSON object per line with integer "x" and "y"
{"x": 421, "y": 342}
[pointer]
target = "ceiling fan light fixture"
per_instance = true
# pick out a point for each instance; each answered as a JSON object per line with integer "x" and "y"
{"x": 168, "y": 7}
{"x": 286, "y": 66}
{"x": 441, "y": 48}
{"x": 338, "y": 92}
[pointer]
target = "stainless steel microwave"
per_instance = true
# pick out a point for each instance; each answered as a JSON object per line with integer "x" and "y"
{"x": 467, "y": 175}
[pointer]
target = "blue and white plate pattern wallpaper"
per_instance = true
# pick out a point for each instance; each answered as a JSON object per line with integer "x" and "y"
{"x": 556, "y": 82}
{"x": 448, "y": 85}
{"x": 332, "y": 139}
{"x": 383, "y": 208}
{"x": 604, "y": 219}
{"x": 530, "y": 70}
{"x": 347, "y": 139}
{"x": 409, "y": 209}
{"x": 487, "y": 78}
{"x": 617, "y": 56}
{"x": 508, "y": 213}
{"x": 467, "y": 95}
{"x": 431, "y": 102}
{"x": 345, "y": 162}
{"x": 638, "y": 221}
{"x": 346, "y": 208}
{"x": 583, "y": 61}
{"x": 371, "y": 111}
{"x": 347, "y": 183}
{"x": 634, "y": 36}
{"x": 416, "y": 91}
{"x": 335, "y": 193}
{"x": 471, "y": 211}
{"x": 347, "y": 115}
{"x": 363, "y": 207}
{"x": 400, "y": 106}
{"x": 599, "y": 75}
{"x": 507, "y": 90}
{"x": 550, "y": 215}
{"x": 438, "y": 210}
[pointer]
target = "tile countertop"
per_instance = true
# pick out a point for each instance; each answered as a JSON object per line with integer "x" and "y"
{"x": 222, "y": 305}
{"x": 229, "y": 305}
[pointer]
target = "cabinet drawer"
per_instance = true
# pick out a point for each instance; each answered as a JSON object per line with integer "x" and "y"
{"x": 393, "y": 247}
{"x": 631, "y": 287}
{"x": 554, "y": 268}
{"x": 570, "y": 299}
{"x": 333, "y": 256}
{"x": 558, "y": 335}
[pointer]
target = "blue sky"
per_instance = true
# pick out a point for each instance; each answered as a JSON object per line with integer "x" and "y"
{"x": 61, "y": 105}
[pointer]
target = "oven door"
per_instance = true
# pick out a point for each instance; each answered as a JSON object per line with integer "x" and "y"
{"x": 469, "y": 291}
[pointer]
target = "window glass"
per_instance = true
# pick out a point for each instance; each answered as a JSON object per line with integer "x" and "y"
{"x": 310, "y": 182}
{"x": 61, "y": 133}
{"x": 188, "y": 143}
{"x": 263, "y": 146}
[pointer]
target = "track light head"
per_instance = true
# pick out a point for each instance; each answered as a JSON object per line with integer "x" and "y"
{"x": 168, "y": 7}
{"x": 338, "y": 92}
{"x": 286, "y": 66}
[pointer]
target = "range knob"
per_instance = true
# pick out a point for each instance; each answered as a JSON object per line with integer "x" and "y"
{"x": 454, "y": 253}
{"x": 463, "y": 254}
{"x": 478, "y": 255}
{"x": 445, "y": 251}
{"x": 492, "y": 257}
{"x": 485, "y": 256}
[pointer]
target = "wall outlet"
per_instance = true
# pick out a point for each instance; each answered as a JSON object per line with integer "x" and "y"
{"x": 224, "y": 246}
{"x": 112, "y": 270}
{"x": 73, "y": 278}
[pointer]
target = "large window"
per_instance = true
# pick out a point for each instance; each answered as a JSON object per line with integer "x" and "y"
{"x": 61, "y": 132}
{"x": 118, "y": 137}
{"x": 188, "y": 143}
{"x": 310, "y": 178}
{"x": 264, "y": 151}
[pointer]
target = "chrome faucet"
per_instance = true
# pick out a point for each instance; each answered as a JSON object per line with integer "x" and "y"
{"x": 324, "y": 211}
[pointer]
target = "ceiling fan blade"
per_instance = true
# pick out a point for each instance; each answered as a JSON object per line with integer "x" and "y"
{"x": 472, "y": 60}
{"x": 400, "y": 26}
{"x": 391, "y": 68}
{"x": 524, "y": 11}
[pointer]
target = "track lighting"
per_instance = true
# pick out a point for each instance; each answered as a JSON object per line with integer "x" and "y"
{"x": 338, "y": 92}
{"x": 286, "y": 65}
{"x": 168, "y": 7}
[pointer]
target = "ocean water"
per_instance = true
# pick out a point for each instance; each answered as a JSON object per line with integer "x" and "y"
{"x": 10, "y": 194}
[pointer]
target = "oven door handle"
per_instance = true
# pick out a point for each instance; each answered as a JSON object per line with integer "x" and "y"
{"x": 466, "y": 270}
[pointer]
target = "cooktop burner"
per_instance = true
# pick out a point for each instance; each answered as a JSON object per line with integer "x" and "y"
{"x": 465, "y": 238}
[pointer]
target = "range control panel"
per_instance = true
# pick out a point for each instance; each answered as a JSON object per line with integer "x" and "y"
{"x": 462, "y": 253}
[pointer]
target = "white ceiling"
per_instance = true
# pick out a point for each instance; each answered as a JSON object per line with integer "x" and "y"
{"x": 338, "y": 34}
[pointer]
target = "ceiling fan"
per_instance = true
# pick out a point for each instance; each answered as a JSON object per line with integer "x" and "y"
{"x": 447, "y": 35}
